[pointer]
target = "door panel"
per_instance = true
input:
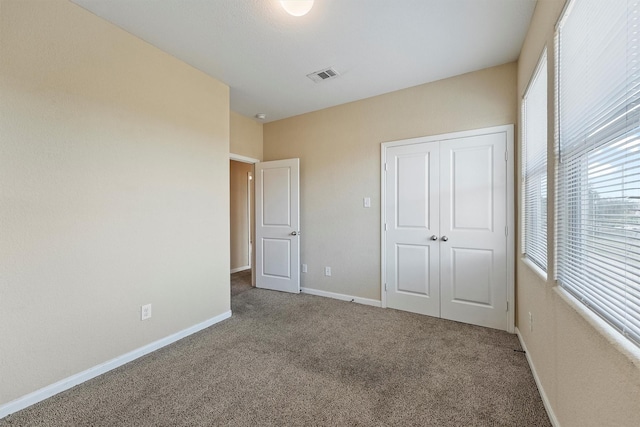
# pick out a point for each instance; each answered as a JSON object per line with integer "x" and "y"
{"x": 412, "y": 190}
{"x": 412, "y": 218}
{"x": 472, "y": 187}
{"x": 473, "y": 263}
{"x": 276, "y": 186}
{"x": 472, "y": 276}
{"x": 277, "y": 225}
{"x": 276, "y": 255}
{"x": 413, "y": 269}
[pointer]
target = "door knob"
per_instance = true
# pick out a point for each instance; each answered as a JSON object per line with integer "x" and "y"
{"x": 445, "y": 238}
{"x": 295, "y": 233}
{"x": 434, "y": 237}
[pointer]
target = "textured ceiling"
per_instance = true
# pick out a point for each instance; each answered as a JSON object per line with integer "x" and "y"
{"x": 377, "y": 46}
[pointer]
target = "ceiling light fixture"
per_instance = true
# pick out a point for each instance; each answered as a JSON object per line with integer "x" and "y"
{"x": 297, "y": 7}
{"x": 261, "y": 116}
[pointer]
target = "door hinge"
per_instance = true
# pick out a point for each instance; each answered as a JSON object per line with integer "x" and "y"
{"x": 507, "y": 305}
{"x": 506, "y": 231}
{"x": 385, "y": 287}
{"x": 385, "y": 166}
{"x": 506, "y": 156}
{"x": 385, "y": 226}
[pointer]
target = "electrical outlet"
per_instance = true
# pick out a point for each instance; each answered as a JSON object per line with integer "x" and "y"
{"x": 530, "y": 322}
{"x": 304, "y": 268}
{"x": 145, "y": 312}
{"x": 327, "y": 271}
{"x": 367, "y": 202}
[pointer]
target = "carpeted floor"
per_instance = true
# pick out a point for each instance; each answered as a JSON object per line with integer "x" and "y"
{"x": 287, "y": 360}
{"x": 240, "y": 282}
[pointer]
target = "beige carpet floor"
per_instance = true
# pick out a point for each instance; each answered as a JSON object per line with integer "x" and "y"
{"x": 293, "y": 360}
{"x": 240, "y": 282}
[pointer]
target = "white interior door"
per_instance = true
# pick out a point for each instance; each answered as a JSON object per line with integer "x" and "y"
{"x": 412, "y": 214}
{"x": 445, "y": 218}
{"x": 277, "y": 193}
{"x": 473, "y": 243}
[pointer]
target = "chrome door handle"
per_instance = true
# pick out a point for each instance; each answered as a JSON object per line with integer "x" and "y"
{"x": 295, "y": 233}
{"x": 434, "y": 237}
{"x": 445, "y": 238}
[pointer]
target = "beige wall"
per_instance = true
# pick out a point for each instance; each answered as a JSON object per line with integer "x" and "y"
{"x": 246, "y": 136}
{"x": 114, "y": 164}
{"x": 239, "y": 185}
{"x": 339, "y": 151}
{"x": 588, "y": 377}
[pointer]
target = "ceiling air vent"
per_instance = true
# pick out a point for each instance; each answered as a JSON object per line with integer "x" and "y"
{"x": 322, "y": 75}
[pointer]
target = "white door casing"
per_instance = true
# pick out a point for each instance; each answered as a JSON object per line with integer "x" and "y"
{"x": 471, "y": 262}
{"x": 251, "y": 212}
{"x": 277, "y": 194}
{"x": 249, "y": 215}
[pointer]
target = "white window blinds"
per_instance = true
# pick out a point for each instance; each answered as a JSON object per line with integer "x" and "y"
{"x": 534, "y": 166}
{"x": 598, "y": 77}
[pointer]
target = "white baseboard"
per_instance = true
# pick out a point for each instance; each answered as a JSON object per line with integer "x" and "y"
{"x": 236, "y": 270}
{"x": 342, "y": 297}
{"x": 66, "y": 383}
{"x": 543, "y": 395}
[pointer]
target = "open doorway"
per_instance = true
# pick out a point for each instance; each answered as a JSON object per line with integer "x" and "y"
{"x": 241, "y": 227}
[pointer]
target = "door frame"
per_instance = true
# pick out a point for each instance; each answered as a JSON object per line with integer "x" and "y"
{"x": 510, "y": 157}
{"x": 252, "y": 231}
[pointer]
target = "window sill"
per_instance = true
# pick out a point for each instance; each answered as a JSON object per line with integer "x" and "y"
{"x": 540, "y": 272}
{"x": 612, "y": 335}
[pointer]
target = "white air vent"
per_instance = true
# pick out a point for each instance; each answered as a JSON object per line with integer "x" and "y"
{"x": 322, "y": 75}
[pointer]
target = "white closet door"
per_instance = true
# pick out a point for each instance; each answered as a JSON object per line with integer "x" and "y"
{"x": 412, "y": 222}
{"x": 473, "y": 249}
{"x": 445, "y": 218}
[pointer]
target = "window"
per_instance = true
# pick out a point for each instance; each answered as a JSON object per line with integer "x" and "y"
{"x": 534, "y": 166}
{"x": 598, "y": 181}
